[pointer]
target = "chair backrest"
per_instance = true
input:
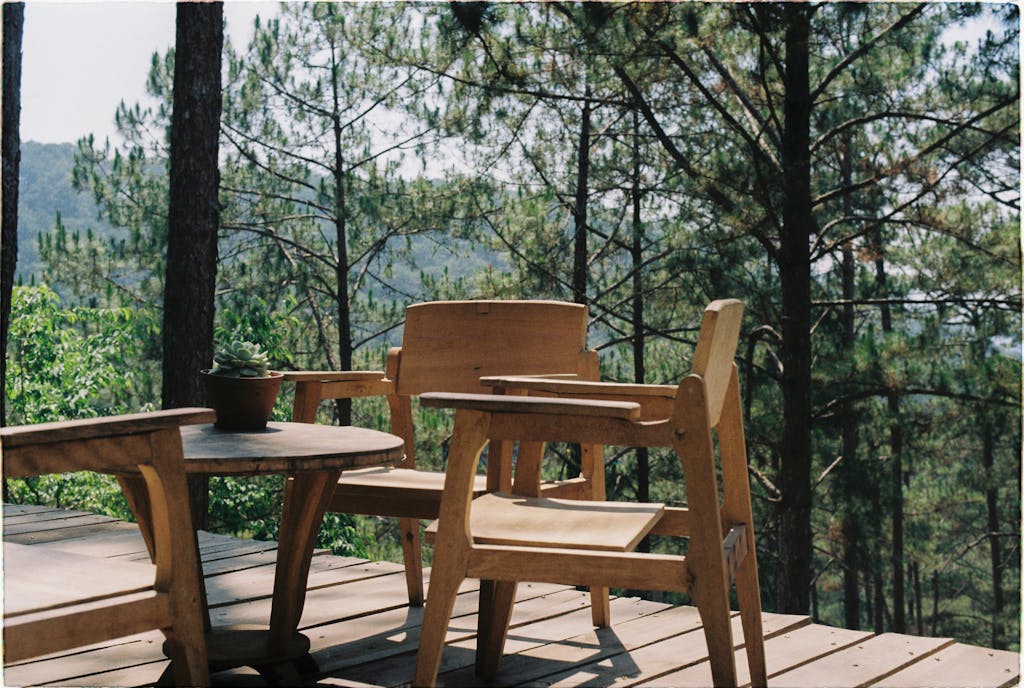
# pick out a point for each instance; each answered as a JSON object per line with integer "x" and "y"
{"x": 449, "y": 345}
{"x": 716, "y": 348}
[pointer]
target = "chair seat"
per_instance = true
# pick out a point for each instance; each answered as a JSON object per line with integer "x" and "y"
{"x": 504, "y": 519}
{"x": 397, "y": 492}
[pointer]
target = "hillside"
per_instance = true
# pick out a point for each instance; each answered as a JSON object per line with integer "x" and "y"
{"x": 45, "y": 189}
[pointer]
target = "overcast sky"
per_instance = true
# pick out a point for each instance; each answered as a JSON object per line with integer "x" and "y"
{"x": 80, "y": 59}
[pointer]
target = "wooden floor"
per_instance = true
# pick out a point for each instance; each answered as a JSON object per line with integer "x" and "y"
{"x": 363, "y": 633}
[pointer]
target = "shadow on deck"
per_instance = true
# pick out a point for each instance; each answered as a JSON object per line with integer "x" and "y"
{"x": 363, "y": 632}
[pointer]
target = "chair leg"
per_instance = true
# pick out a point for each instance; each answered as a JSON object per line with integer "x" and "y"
{"x": 749, "y": 597}
{"x": 496, "y": 601}
{"x": 600, "y": 611}
{"x": 444, "y": 587}
{"x": 412, "y": 553}
{"x": 188, "y": 659}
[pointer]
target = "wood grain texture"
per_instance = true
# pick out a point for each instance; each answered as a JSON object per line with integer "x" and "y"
{"x": 498, "y": 518}
{"x": 449, "y": 346}
{"x": 128, "y": 424}
{"x": 286, "y": 448}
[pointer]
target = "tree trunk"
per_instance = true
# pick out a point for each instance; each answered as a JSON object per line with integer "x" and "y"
{"x": 895, "y": 458}
{"x": 879, "y": 620}
{"x": 193, "y": 213}
{"x": 795, "y": 554}
{"x": 919, "y": 616}
{"x": 14, "y": 20}
{"x": 991, "y": 505}
{"x": 643, "y": 469}
{"x": 579, "y": 253}
{"x": 343, "y": 407}
{"x": 851, "y": 531}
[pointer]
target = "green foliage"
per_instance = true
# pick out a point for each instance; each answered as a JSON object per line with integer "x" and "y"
{"x": 75, "y": 362}
{"x": 69, "y": 363}
{"x": 240, "y": 359}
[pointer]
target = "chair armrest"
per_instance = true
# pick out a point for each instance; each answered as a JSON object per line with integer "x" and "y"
{"x": 333, "y": 375}
{"x": 536, "y": 405}
{"x": 108, "y": 426}
{"x": 656, "y": 401}
{"x": 567, "y": 385}
{"x": 343, "y": 384}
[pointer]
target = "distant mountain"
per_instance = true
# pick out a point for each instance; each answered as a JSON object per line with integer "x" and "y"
{"x": 44, "y": 189}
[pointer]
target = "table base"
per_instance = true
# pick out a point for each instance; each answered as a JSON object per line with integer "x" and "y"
{"x": 245, "y": 645}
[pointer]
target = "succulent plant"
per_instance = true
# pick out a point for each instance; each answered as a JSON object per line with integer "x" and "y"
{"x": 241, "y": 359}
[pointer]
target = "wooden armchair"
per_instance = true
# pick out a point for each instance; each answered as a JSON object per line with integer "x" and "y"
{"x": 506, "y": 537}
{"x": 446, "y": 347}
{"x": 57, "y": 600}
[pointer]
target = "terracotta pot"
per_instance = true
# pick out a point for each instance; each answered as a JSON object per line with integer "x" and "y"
{"x": 242, "y": 403}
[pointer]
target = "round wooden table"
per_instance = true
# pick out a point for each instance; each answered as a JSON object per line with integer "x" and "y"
{"x": 312, "y": 457}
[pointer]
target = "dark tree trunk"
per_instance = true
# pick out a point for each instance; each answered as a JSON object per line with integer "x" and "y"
{"x": 579, "y": 212}
{"x": 992, "y": 504}
{"x": 643, "y": 469}
{"x": 896, "y": 456}
{"x": 795, "y": 554}
{"x": 915, "y": 571}
{"x": 851, "y": 531}
{"x": 343, "y": 407}
{"x": 193, "y": 213}
{"x": 879, "y": 620}
{"x": 14, "y": 20}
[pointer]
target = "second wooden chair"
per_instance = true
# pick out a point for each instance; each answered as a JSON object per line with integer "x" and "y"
{"x": 447, "y": 346}
{"x": 506, "y": 537}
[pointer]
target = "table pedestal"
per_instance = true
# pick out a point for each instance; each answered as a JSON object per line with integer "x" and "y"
{"x": 247, "y": 645}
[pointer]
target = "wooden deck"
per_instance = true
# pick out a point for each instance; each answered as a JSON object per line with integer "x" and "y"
{"x": 363, "y": 632}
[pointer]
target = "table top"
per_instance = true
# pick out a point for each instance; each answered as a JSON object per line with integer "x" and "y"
{"x": 286, "y": 448}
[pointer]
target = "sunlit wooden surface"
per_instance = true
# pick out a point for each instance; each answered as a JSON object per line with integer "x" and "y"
{"x": 364, "y": 633}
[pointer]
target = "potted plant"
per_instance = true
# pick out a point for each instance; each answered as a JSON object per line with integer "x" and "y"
{"x": 241, "y": 388}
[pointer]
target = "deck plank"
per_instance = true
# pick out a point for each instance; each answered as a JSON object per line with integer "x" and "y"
{"x": 959, "y": 665}
{"x": 783, "y": 653}
{"x": 649, "y": 663}
{"x": 363, "y": 633}
{"x": 391, "y": 639}
{"x": 98, "y": 527}
{"x": 863, "y": 663}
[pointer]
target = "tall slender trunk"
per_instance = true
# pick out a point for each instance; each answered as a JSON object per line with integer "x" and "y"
{"x": 13, "y": 25}
{"x": 643, "y": 469}
{"x": 795, "y": 554}
{"x": 343, "y": 407}
{"x": 193, "y": 217}
{"x": 995, "y": 550}
{"x": 895, "y": 458}
{"x": 851, "y": 531}
{"x": 915, "y": 570}
{"x": 579, "y": 253}
{"x": 879, "y": 620}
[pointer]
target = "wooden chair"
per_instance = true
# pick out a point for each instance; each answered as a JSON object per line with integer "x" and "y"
{"x": 446, "y": 347}
{"x": 55, "y": 600}
{"x": 502, "y": 538}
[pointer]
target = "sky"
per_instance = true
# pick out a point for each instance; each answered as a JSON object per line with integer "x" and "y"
{"x": 80, "y": 59}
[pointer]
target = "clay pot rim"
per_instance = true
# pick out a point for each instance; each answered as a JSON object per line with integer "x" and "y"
{"x": 270, "y": 374}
